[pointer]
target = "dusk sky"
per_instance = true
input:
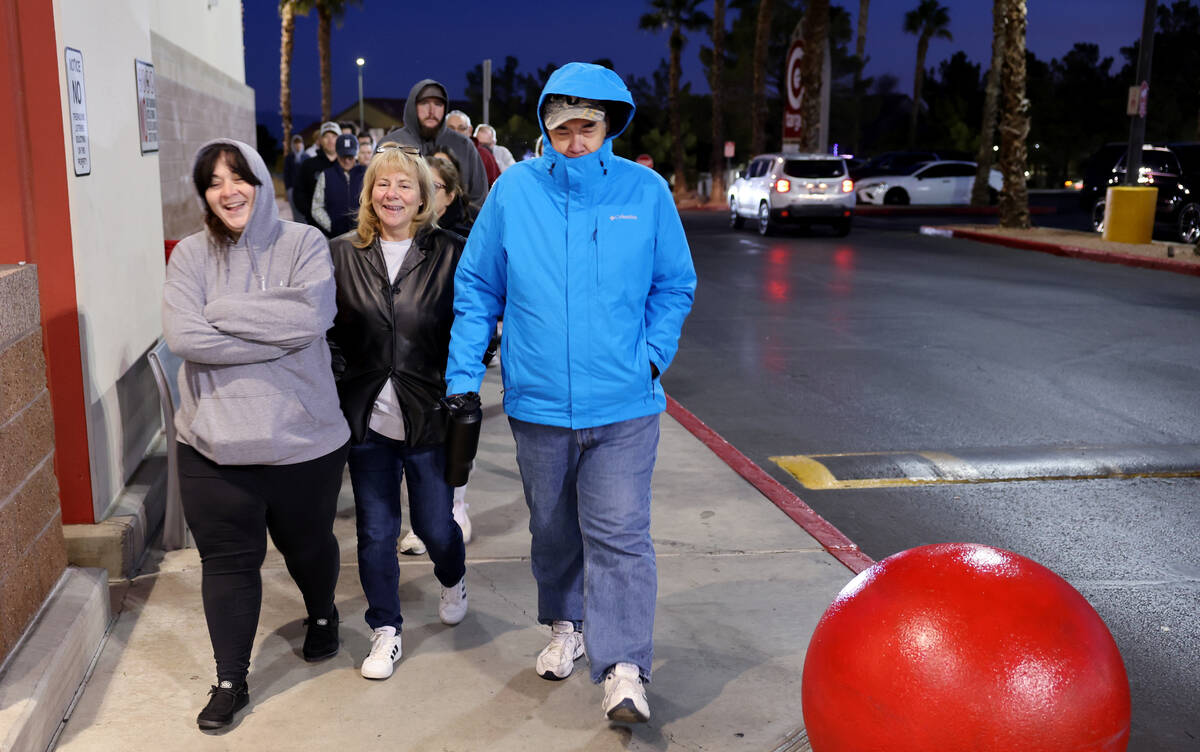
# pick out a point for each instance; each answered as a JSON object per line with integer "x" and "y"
{"x": 403, "y": 43}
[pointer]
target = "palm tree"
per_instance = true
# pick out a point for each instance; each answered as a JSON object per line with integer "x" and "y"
{"x": 928, "y": 20}
{"x": 677, "y": 15}
{"x": 860, "y": 46}
{"x": 1014, "y": 125}
{"x": 816, "y": 30}
{"x": 758, "y": 106}
{"x": 716, "y": 72}
{"x": 980, "y": 192}
{"x": 328, "y": 11}
{"x": 287, "y": 29}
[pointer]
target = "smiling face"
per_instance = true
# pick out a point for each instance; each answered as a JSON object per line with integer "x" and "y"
{"x": 577, "y": 137}
{"x": 230, "y": 197}
{"x": 396, "y": 199}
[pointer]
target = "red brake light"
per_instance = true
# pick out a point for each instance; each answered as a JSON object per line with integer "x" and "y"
{"x": 783, "y": 185}
{"x": 847, "y": 185}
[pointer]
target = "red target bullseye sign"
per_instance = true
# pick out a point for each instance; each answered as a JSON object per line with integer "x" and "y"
{"x": 793, "y": 121}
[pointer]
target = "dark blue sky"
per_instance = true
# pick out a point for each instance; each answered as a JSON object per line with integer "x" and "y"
{"x": 404, "y": 42}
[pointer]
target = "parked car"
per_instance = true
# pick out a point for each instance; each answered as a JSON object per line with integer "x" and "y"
{"x": 1173, "y": 169}
{"x": 793, "y": 188}
{"x": 942, "y": 182}
{"x": 900, "y": 162}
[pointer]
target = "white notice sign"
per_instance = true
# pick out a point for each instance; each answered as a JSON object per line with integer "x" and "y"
{"x": 147, "y": 97}
{"x": 81, "y": 148}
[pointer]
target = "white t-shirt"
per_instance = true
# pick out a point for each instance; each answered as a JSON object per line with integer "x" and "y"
{"x": 387, "y": 417}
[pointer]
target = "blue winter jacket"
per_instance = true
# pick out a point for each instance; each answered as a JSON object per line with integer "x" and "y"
{"x": 587, "y": 260}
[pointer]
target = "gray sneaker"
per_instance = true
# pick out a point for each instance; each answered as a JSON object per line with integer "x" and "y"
{"x": 557, "y": 659}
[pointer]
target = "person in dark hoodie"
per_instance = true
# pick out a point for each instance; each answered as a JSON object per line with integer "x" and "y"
{"x": 262, "y": 443}
{"x": 585, "y": 255}
{"x": 425, "y": 128}
{"x": 395, "y": 276}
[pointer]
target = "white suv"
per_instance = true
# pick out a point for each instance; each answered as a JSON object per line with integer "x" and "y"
{"x": 793, "y": 188}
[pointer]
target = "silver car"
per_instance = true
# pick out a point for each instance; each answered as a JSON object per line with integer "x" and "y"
{"x": 793, "y": 188}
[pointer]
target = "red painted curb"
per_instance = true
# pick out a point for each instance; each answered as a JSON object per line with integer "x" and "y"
{"x": 830, "y": 538}
{"x": 1128, "y": 259}
{"x": 869, "y": 210}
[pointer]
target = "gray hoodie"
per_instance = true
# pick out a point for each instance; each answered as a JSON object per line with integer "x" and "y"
{"x": 249, "y": 321}
{"x": 474, "y": 177}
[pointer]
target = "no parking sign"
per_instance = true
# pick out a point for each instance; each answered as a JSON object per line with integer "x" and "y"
{"x": 793, "y": 120}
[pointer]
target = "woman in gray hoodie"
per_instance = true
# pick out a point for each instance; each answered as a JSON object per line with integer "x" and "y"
{"x": 246, "y": 305}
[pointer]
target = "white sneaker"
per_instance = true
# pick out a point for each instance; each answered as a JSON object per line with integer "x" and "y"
{"x": 625, "y": 695}
{"x": 411, "y": 545}
{"x": 453, "y": 607}
{"x": 460, "y": 513}
{"x": 385, "y": 651}
{"x": 557, "y": 659}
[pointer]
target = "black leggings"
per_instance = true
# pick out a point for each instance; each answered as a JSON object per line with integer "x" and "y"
{"x": 230, "y": 509}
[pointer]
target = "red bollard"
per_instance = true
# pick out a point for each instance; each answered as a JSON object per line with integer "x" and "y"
{"x": 959, "y": 646}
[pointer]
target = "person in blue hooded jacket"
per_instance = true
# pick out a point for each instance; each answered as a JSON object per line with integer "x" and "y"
{"x": 585, "y": 255}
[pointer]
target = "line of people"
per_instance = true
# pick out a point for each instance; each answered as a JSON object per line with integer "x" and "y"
{"x": 301, "y": 355}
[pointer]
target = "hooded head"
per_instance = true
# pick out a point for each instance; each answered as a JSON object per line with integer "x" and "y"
{"x": 236, "y": 192}
{"x": 433, "y": 95}
{"x": 579, "y": 84}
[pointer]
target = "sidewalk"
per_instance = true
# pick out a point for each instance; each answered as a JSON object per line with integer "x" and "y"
{"x": 1173, "y": 257}
{"x": 741, "y": 587}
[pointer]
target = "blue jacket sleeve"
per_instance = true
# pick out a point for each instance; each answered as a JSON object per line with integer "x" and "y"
{"x": 480, "y": 283}
{"x": 672, "y": 284}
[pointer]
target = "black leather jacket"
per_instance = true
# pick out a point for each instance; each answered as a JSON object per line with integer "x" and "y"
{"x": 399, "y": 330}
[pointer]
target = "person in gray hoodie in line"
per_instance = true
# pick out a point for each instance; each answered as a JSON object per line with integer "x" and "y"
{"x": 262, "y": 440}
{"x": 425, "y": 128}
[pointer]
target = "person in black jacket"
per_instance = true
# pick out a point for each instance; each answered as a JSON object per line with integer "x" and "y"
{"x": 389, "y": 341}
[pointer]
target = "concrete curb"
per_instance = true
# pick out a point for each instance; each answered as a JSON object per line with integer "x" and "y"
{"x": 39, "y": 682}
{"x": 1167, "y": 265}
{"x": 831, "y": 539}
{"x": 868, "y": 210}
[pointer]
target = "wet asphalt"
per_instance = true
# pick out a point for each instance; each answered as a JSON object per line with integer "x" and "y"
{"x": 888, "y": 341}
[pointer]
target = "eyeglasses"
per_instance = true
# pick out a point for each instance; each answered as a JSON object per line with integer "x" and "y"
{"x": 410, "y": 150}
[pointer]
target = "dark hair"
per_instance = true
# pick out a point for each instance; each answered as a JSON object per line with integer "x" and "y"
{"x": 206, "y": 165}
{"x": 449, "y": 173}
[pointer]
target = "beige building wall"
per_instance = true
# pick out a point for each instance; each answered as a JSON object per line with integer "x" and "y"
{"x": 118, "y": 212}
{"x": 116, "y": 230}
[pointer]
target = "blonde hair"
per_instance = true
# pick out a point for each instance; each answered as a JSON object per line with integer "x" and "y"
{"x": 393, "y": 158}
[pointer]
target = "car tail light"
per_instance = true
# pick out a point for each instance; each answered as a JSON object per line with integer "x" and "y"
{"x": 847, "y": 186}
{"x": 783, "y": 185}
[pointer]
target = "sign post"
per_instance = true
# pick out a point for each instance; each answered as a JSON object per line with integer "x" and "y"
{"x": 147, "y": 99}
{"x": 81, "y": 146}
{"x": 793, "y": 83}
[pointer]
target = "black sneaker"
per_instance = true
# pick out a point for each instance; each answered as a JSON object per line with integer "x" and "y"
{"x": 321, "y": 641}
{"x": 225, "y": 699}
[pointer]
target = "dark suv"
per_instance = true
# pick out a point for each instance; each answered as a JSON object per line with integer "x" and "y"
{"x": 1175, "y": 170}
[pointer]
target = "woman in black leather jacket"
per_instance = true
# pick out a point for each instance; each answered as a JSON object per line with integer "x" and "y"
{"x": 395, "y": 289}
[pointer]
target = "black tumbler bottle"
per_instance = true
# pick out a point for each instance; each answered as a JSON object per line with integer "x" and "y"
{"x": 462, "y": 436}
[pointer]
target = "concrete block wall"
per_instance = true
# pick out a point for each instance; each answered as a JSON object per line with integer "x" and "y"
{"x": 32, "y": 550}
{"x": 196, "y": 103}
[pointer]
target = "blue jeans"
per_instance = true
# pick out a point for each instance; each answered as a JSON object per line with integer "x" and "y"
{"x": 377, "y": 466}
{"x": 588, "y": 492}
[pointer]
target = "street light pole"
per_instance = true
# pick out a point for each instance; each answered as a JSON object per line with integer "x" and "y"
{"x": 360, "y": 63}
{"x": 1137, "y": 126}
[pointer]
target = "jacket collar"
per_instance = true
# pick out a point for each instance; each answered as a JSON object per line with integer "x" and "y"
{"x": 417, "y": 253}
